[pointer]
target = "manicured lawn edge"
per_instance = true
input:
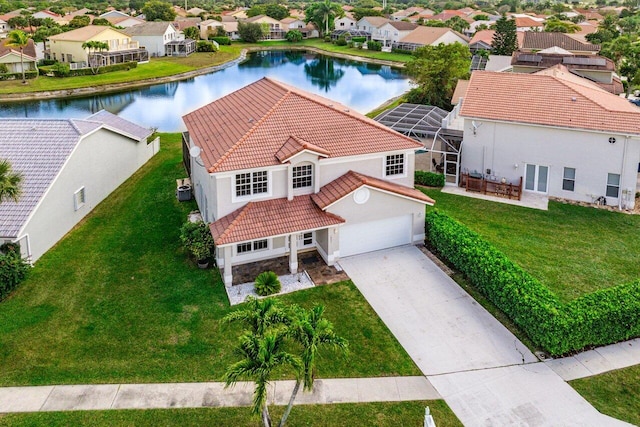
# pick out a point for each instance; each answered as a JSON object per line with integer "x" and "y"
{"x": 391, "y": 414}
{"x": 602, "y": 317}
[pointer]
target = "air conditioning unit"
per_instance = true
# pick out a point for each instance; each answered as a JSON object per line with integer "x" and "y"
{"x": 183, "y": 193}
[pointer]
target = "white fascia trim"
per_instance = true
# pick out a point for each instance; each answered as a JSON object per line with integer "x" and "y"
{"x": 278, "y": 235}
{"x": 305, "y": 151}
{"x": 380, "y": 190}
{"x": 232, "y": 174}
{"x": 371, "y": 156}
{"x": 619, "y": 133}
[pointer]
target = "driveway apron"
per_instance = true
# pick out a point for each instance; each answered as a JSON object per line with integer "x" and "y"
{"x": 486, "y": 375}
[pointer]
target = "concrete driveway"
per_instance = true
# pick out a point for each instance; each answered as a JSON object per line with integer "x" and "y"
{"x": 486, "y": 375}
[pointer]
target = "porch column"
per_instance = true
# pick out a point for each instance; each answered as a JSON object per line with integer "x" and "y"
{"x": 228, "y": 267}
{"x": 293, "y": 253}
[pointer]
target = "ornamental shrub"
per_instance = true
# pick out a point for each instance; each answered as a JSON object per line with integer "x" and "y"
{"x": 222, "y": 41}
{"x": 342, "y": 41}
{"x": 374, "y": 45}
{"x": 429, "y": 179}
{"x": 13, "y": 268}
{"x": 205, "y": 46}
{"x": 294, "y": 36}
{"x": 358, "y": 39}
{"x": 197, "y": 239}
{"x": 602, "y": 317}
{"x": 267, "y": 283}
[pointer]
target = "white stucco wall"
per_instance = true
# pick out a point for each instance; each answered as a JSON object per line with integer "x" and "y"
{"x": 448, "y": 38}
{"x": 100, "y": 163}
{"x": 155, "y": 44}
{"x": 502, "y": 146}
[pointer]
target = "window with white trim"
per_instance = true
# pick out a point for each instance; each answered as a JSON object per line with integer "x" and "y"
{"x": 613, "y": 185}
{"x": 302, "y": 176}
{"x": 79, "y": 198}
{"x": 250, "y": 183}
{"x": 569, "y": 179}
{"x": 394, "y": 165}
{"x": 256, "y": 245}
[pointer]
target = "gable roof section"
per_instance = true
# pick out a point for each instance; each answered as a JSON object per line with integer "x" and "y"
{"x": 351, "y": 181}
{"x": 258, "y": 220}
{"x": 428, "y": 35}
{"x": 527, "y": 22}
{"x": 125, "y": 127}
{"x": 542, "y": 40}
{"x": 83, "y": 34}
{"x": 39, "y": 148}
{"x": 149, "y": 29}
{"x": 552, "y": 98}
{"x": 246, "y": 128}
{"x": 403, "y": 25}
{"x": 376, "y": 21}
{"x": 295, "y": 146}
{"x": 29, "y": 50}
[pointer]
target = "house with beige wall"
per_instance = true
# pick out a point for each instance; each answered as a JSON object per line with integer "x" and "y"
{"x": 67, "y": 47}
{"x": 430, "y": 36}
{"x": 68, "y": 166}
{"x": 278, "y": 171}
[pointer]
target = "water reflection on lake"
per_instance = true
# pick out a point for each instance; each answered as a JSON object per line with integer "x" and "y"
{"x": 359, "y": 85}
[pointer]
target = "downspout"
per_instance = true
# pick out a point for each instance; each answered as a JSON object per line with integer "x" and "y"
{"x": 28, "y": 246}
{"x": 624, "y": 155}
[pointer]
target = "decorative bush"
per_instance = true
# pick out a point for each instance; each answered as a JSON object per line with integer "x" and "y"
{"x": 294, "y": 36}
{"x": 267, "y": 283}
{"x": 603, "y": 317}
{"x": 429, "y": 179}
{"x": 374, "y": 45}
{"x": 4, "y": 69}
{"x": 62, "y": 69}
{"x": 196, "y": 238}
{"x": 13, "y": 268}
{"x": 358, "y": 39}
{"x": 205, "y": 46}
{"x": 327, "y": 38}
{"x": 222, "y": 41}
{"x": 342, "y": 41}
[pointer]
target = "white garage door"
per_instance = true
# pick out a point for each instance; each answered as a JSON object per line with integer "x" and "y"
{"x": 375, "y": 235}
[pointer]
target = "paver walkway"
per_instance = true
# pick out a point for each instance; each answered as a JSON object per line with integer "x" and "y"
{"x": 198, "y": 395}
{"x": 485, "y": 374}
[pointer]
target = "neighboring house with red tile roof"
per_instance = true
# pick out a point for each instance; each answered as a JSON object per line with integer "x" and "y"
{"x": 528, "y": 24}
{"x": 562, "y": 134}
{"x": 430, "y": 36}
{"x": 281, "y": 170}
{"x": 68, "y": 166}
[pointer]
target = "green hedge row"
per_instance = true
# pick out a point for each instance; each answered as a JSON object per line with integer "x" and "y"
{"x": 429, "y": 179}
{"x": 222, "y": 41}
{"x": 603, "y": 317}
{"x": 13, "y": 269}
{"x": 18, "y": 76}
{"x": 62, "y": 69}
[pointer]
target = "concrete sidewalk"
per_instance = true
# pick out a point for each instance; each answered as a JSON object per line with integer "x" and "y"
{"x": 214, "y": 394}
{"x": 484, "y": 373}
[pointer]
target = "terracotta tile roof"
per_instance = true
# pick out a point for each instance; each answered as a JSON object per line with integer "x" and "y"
{"x": 246, "y": 128}
{"x": 428, "y": 35}
{"x": 527, "y": 22}
{"x": 553, "y": 97}
{"x": 486, "y": 36}
{"x": 540, "y": 40}
{"x": 258, "y": 220}
{"x": 351, "y": 181}
{"x": 296, "y": 145}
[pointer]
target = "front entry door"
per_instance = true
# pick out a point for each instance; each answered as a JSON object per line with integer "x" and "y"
{"x": 536, "y": 178}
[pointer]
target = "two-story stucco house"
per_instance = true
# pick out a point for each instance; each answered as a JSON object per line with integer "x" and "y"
{"x": 153, "y": 36}
{"x": 68, "y": 166}
{"x": 565, "y": 136}
{"x": 392, "y": 32}
{"x": 282, "y": 170}
{"x": 71, "y": 46}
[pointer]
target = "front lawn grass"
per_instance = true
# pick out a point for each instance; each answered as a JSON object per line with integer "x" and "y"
{"x": 156, "y": 67}
{"x": 362, "y": 414}
{"x": 573, "y": 250}
{"x": 614, "y": 393}
{"x": 118, "y": 300}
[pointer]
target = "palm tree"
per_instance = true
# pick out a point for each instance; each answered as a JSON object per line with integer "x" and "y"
{"x": 261, "y": 355}
{"x": 19, "y": 39}
{"x": 323, "y": 12}
{"x": 311, "y": 331}
{"x": 10, "y": 183}
{"x": 259, "y": 315}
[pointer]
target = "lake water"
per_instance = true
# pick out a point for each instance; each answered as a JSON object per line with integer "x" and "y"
{"x": 361, "y": 86}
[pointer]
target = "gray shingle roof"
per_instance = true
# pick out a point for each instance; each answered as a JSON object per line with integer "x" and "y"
{"x": 148, "y": 29}
{"x": 38, "y": 148}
